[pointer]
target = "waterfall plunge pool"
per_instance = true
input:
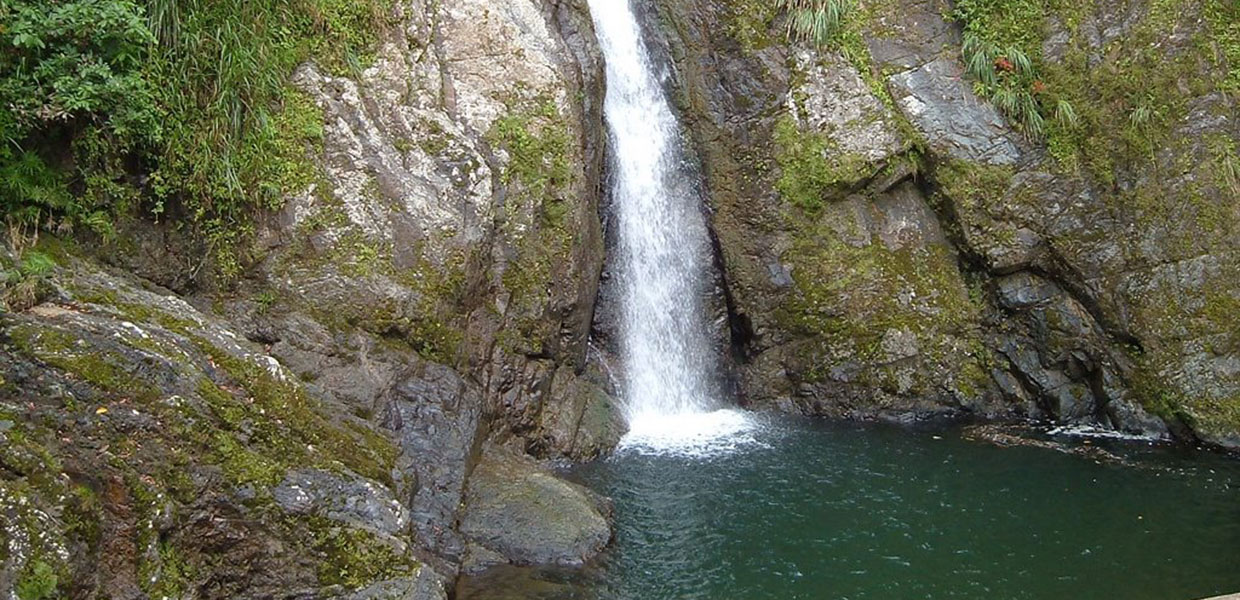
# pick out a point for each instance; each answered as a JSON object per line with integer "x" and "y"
{"x": 815, "y": 510}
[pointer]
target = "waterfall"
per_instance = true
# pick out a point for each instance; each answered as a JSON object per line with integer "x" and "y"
{"x": 663, "y": 245}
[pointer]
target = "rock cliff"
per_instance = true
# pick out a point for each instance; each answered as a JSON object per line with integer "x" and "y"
{"x": 309, "y": 431}
{"x": 355, "y": 416}
{"x": 897, "y": 247}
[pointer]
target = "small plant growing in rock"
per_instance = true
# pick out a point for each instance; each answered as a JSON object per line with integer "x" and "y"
{"x": 24, "y": 272}
{"x": 1008, "y": 78}
{"x": 38, "y": 583}
{"x": 264, "y": 300}
{"x": 815, "y": 21}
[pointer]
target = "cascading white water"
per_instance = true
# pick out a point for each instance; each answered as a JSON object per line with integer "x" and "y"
{"x": 668, "y": 388}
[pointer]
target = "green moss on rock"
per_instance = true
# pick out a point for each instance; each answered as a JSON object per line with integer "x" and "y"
{"x": 106, "y": 370}
{"x": 538, "y": 144}
{"x": 974, "y": 188}
{"x": 41, "y": 561}
{"x": 849, "y": 297}
{"x": 1223, "y": 18}
{"x": 352, "y": 557}
{"x": 540, "y": 177}
{"x": 812, "y": 170}
{"x": 285, "y": 427}
{"x": 750, "y": 23}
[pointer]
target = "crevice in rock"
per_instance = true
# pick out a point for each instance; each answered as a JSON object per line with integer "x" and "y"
{"x": 973, "y": 264}
{"x": 1031, "y": 387}
{"x": 740, "y": 327}
{"x": 1069, "y": 280}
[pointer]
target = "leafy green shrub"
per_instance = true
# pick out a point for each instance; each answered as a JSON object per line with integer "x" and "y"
{"x": 68, "y": 68}
{"x": 181, "y": 106}
{"x": 230, "y": 61}
{"x": 237, "y": 137}
{"x": 71, "y": 63}
{"x": 1101, "y": 116}
{"x": 1009, "y": 79}
{"x": 20, "y": 285}
{"x": 38, "y": 582}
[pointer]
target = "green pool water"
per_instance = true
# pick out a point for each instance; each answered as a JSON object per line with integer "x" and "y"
{"x": 815, "y": 510}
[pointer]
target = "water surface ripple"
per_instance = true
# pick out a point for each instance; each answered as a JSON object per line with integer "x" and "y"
{"x": 815, "y": 510}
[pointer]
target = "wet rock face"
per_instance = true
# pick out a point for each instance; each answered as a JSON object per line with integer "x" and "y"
{"x": 900, "y": 249}
{"x": 355, "y": 501}
{"x": 435, "y": 416}
{"x": 936, "y": 98}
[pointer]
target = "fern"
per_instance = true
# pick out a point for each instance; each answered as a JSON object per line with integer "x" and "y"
{"x": 36, "y": 264}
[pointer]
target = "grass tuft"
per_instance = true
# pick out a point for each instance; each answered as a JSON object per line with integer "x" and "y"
{"x": 815, "y": 21}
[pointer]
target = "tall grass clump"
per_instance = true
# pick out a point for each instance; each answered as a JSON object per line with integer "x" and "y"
{"x": 231, "y": 60}
{"x": 999, "y": 43}
{"x": 815, "y": 21}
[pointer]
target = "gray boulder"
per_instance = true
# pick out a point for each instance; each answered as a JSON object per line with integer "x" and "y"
{"x": 523, "y": 512}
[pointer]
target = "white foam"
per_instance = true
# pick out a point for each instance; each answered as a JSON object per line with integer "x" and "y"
{"x": 1088, "y": 431}
{"x": 691, "y": 434}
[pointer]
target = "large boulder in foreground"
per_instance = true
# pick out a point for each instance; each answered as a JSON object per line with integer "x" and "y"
{"x": 516, "y": 511}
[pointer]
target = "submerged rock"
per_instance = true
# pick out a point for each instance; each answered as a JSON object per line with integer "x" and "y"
{"x": 423, "y": 586}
